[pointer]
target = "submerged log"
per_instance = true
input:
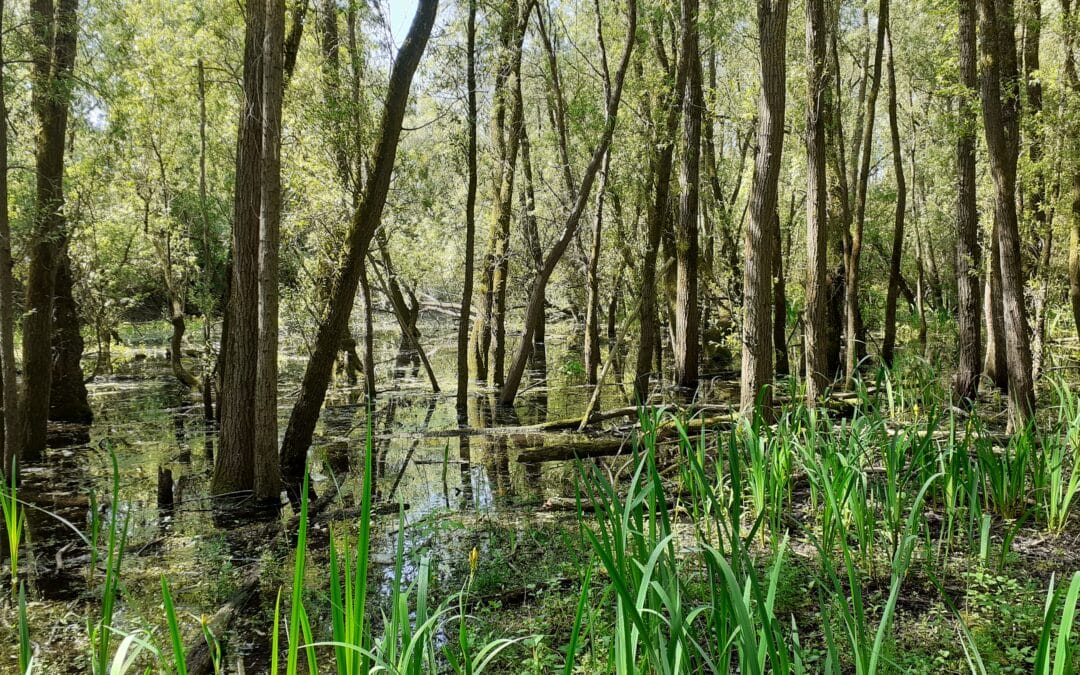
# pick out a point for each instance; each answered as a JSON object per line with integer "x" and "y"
{"x": 604, "y": 447}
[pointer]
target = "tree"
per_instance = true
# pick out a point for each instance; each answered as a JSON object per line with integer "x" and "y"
{"x": 592, "y": 273}
{"x": 9, "y": 390}
{"x": 1000, "y": 85}
{"x": 686, "y": 245}
{"x": 1072, "y": 79}
{"x": 660, "y": 166}
{"x": 506, "y": 132}
{"x": 816, "y": 203}
{"x": 889, "y": 342}
{"x": 267, "y": 484}
{"x": 968, "y": 250}
{"x": 54, "y": 29}
{"x": 851, "y": 282}
{"x": 365, "y": 220}
{"x": 234, "y": 469}
{"x": 537, "y": 297}
{"x": 470, "y": 221}
{"x": 757, "y": 353}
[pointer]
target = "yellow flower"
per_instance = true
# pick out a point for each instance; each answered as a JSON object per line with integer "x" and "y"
{"x": 915, "y": 410}
{"x": 474, "y": 560}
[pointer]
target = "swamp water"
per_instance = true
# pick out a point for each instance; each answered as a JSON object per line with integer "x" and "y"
{"x": 450, "y": 485}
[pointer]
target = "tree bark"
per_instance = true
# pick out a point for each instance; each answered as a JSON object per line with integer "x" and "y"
{"x": 54, "y": 31}
{"x": 234, "y": 470}
{"x": 779, "y": 294}
{"x": 814, "y": 338}
{"x": 1001, "y": 94}
{"x": 537, "y": 296}
{"x": 506, "y": 130}
{"x": 650, "y": 342}
{"x": 1035, "y": 202}
{"x": 686, "y": 235}
{"x": 267, "y": 468}
{"x": 968, "y": 249}
{"x": 204, "y": 210}
{"x": 889, "y": 342}
{"x": 366, "y": 219}
{"x": 67, "y": 391}
{"x": 10, "y": 388}
{"x": 1073, "y": 81}
{"x": 757, "y": 352}
{"x": 851, "y": 286}
{"x": 995, "y": 366}
{"x": 462, "y": 397}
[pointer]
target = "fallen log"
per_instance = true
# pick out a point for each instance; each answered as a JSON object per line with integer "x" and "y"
{"x": 605, "y": 447}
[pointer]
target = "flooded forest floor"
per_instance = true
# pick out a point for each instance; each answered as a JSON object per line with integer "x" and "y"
{"x": 511, "y": 530}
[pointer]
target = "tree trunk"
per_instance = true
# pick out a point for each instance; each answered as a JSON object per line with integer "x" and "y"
{"x": 506, "y": 129}
{"x": 207, "y": 386}
{"x": 462, "y": 398}
{"x": 650, "y": 342}
{"x": 267, "y": 468}
{"x": 814, "y": 338}
{"x": 1035, "y": 194}
{"x": 851, "y": 286}
{"x": 757, "y": 352}
{"x": 889, "y": 343}
{"x": 1073, "y": 80}
{"x": 53, "y": 56}
{"x": 536, "y": 253}
{"x": 592, "y": 307}
{"x": 535, "y": 306}
{"x": 779, "y": 294}
{"x": 995, "y": 365}
{"x": 1000, "y": 95}
{"x": 67, "y": 395}
{"x": 10, "y": 388}
{"x": 234, "y": 470}
{"x": 686, "y": 265}
{"x": 968, "y": 250}
{"x": 368, "y": 215}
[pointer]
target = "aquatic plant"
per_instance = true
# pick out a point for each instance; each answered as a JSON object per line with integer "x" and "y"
{"x": 14, "y": 522}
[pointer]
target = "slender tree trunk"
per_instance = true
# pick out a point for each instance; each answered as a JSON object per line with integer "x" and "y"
{"x": 889, "y": 343}
{"x": 207, "y": 383}
{"x": 1035, "y": 193}
{"x": 650, "y": 342}
{"x": 592, "y": 307}
{"x": 757, "y": 352}
{"x": 779, "y": 294}
{"x": 54, "y": 31}
{"x": 995, "y": 365}
{"x": 851, "y": 286}
{"x": 814, "y": 338}
{"x": 470, "y": 223}
{"x": 686, "y": 265}
{"x": 1073, "y": 80}
{"x": 234, "y": 470}
{"x": 1000, "y": 94}
{"x": 369, "y": 336}
{"x": 535, "y": 305}
{"x": 267, "y": 467}
{"x": 968, "y": 250}
{"x": 506, "y": 130}
{"x": 7, "y": 294}
{"x": 176, "y": 340}
{"x": 532, "y": 243}
{"x": 305, "y": 412}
